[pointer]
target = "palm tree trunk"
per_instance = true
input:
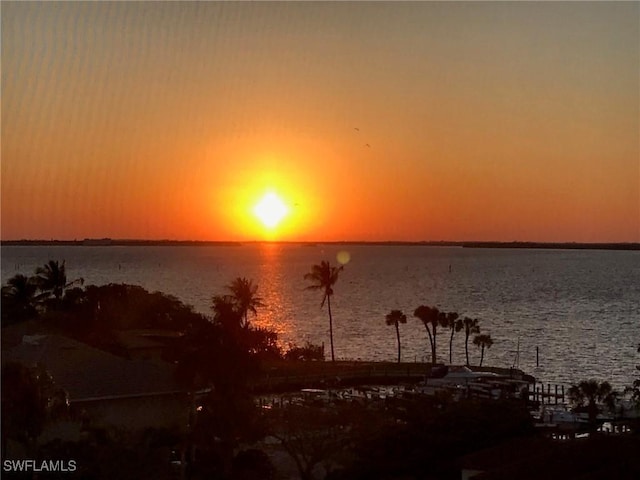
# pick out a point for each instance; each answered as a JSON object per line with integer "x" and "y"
{"x": 398, "y": 335}
{"x": 592, "y": 411}
{"x": 451, "y": 347}
{"x": 430, "y": 342}
{"x": 466, "y": 347}
{"x": 481, "y": 355}
{"x": 333, "y": 358}
{"x": 433, "y": 350}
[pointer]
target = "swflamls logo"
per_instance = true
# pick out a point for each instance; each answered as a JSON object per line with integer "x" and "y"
{"x": 39, "y": 466}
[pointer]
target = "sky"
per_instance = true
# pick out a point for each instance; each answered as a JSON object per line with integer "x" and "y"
{"x": 495, "y": 121}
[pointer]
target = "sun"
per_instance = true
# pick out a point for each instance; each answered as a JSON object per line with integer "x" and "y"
{"x": 270, "y": 210}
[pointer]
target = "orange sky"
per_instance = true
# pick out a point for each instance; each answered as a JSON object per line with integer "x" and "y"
{"x": 486, "y": 121}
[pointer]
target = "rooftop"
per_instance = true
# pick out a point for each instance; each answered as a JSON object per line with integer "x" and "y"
{"x": 87, "y": 373}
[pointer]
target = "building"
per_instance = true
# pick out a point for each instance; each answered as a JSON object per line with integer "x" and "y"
{"x": 127, "y": 396}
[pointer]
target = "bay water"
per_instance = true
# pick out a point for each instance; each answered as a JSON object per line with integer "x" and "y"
{"x": 579, "y": 308}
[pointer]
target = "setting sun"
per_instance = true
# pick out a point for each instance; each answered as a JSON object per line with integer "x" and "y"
{"x": 270, "y": 210}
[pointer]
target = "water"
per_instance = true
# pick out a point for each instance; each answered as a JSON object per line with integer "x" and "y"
{"x": 580, "y": 307}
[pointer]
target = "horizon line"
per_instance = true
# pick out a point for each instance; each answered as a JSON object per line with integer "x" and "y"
{"x": 106, "y": 241}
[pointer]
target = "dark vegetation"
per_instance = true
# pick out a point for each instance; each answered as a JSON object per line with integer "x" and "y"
{"x": 425, "y": 437}
{"x": 217, "y": 356}
{"x": 223, "y": 355}
{"x": 30, "y": 398}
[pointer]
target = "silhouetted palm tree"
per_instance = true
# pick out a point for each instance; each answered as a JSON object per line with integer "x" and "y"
{"x": 225, "y": 312}
{"x": 455, "y": 325}
{"x": 482, "y": 341}
{"x": 20, "y": 295}
{"x": 245, "y": 297}
{"x": 586, "y": 395}
{"x": 324, "y": 277}
{"x": 51, "y": 278}
{"x": 430, "y": 317}
{"x": 396, "y": 317}
{"x": 471, "y": 327}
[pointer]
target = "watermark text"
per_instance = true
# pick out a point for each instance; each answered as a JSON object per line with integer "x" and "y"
{"x": 39, "y": 466}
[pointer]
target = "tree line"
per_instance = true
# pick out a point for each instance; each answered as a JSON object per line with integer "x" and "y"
{"x": 432, "y": 318}
{"x": 324, "y": 276}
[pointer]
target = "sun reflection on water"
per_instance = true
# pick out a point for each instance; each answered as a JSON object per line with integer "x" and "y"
{"x": 271, "y": 290}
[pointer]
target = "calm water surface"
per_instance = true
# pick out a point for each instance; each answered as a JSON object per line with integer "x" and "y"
{"x": 580, "y": 307}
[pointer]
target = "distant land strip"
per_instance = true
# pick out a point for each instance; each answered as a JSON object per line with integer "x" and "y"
{"x": 569, "y": 246}
{"x": 106, "y": 242}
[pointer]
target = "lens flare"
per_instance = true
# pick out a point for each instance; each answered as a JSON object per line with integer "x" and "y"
{"x": 343, "y": 257}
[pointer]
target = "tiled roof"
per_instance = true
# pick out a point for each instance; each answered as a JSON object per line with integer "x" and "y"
{"x": 87, "y": 373}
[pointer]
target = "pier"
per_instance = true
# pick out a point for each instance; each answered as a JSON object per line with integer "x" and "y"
{"x": 297, "y": 375}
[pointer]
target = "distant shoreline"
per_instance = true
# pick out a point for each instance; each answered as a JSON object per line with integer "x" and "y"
{"x": 107, "y": 242}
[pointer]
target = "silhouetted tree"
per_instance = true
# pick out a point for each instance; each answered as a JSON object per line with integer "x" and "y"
{"x": 394, "y": 318}
{"x": 482, "y": 342}
{"x": 230, "y": 313}
{"x": 225, "y": 312}
{"x": 29, "y": 399}
{"x": 324, "y": 277}
{"x": 311, "y": 434}
{"x": 634, "y": 391}
{"x": 244, "y": 294}
{"x": 19, "y": 299}
{"x": 308, "y": 352}
{"x": 454, "y": 323}
{"x": 430, "y": 317}
{"x": 94, "y": 314}
{"x": 471, "y": 327}
{"x": 224, "y": 355}
{"x": 226, "y": 418}
{"x": 218, "y": 356}
{"x": 51, "y": 279}
{"x": 586, "y": 395}
{"x": 261, "y": 343}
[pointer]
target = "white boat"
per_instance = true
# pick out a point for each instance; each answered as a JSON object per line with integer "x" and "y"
{"x": 466, "y": 374}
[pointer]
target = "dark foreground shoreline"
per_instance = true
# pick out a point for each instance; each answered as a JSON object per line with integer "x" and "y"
{"x": 108, "y": 242}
